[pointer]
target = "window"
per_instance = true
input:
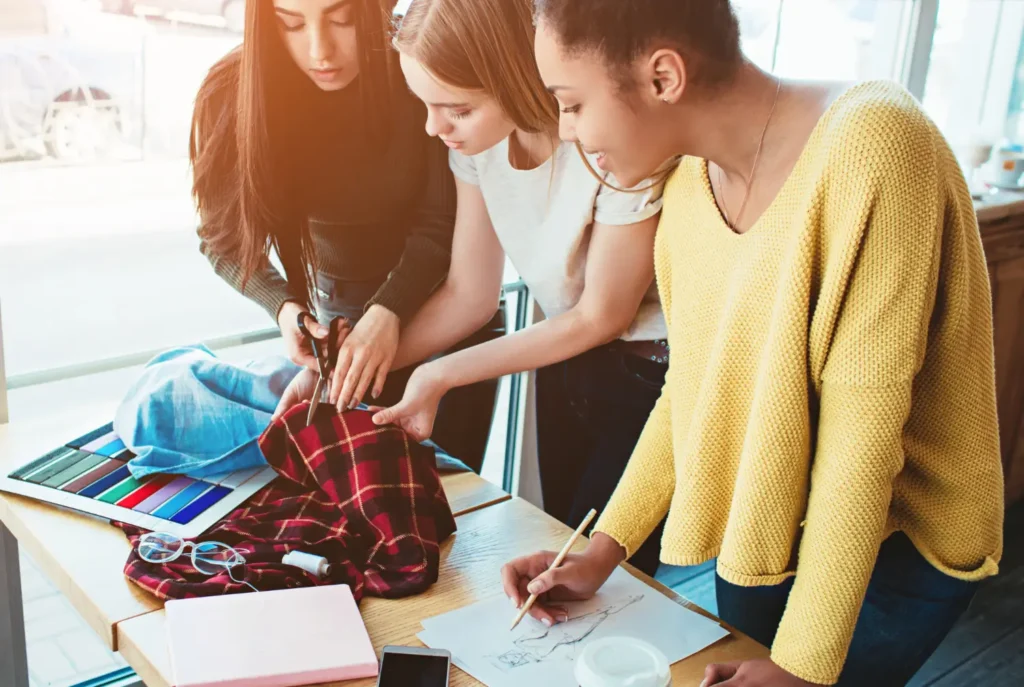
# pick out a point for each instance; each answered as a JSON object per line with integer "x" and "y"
{"x": 974, "y": 81}
{"x": 99, "y": 257}
{"x": 842, "y": 40}
{"x": 964, "y": 59}
{"x": 845, "y": 40}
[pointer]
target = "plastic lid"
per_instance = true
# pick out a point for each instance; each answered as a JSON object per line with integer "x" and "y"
{"x": 622, "y": 662}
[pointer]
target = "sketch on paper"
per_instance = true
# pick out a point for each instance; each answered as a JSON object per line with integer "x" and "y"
{"x": 539, "y": 656}
{"x": 558, "y": 642}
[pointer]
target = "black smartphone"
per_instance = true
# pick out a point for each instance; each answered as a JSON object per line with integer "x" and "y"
{"x": 409, "y": 666}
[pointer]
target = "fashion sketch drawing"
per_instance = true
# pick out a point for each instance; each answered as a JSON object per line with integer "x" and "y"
{"x": 558, "y": 642}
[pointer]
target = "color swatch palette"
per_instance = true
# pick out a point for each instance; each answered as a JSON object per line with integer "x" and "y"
{"x": 90, "y": 474}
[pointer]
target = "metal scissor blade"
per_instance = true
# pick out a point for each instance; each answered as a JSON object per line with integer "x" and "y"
{"x": 315, "y": 402}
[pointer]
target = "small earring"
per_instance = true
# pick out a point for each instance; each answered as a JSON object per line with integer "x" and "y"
{"x": 664, "y": 100}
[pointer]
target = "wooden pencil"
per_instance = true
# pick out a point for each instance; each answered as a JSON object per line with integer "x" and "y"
{"x": 555, "y": 563}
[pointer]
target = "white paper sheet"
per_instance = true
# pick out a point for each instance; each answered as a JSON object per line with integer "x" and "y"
{"x": 534, "y": 655}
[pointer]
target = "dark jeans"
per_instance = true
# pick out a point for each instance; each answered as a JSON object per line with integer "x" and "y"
{"x": 464, "y": 417}
{"x": 909, "y": 608}
{"x": 590, "y": 412}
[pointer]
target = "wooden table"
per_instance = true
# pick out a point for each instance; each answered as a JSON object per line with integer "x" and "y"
{"x": 470, "y": 562}
{"x": 84, "y": 556}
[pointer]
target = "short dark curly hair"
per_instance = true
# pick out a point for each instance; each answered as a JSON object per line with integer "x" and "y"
{"x": 705, "y": 32}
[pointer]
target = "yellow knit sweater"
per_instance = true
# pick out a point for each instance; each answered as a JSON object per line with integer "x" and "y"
{"x": 831, "y": 378}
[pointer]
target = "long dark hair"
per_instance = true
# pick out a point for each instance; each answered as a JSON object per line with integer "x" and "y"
{"x": 249, "y": 133}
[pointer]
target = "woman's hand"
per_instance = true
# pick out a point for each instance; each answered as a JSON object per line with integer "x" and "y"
{"x": 298, "y": 390}
{"x": 578, "y": 577}
{"x": 296, "y": 345}
{"x": 757, "y": 673}
{"x": 416, "y": 412}
{"x": 365, "y": 358}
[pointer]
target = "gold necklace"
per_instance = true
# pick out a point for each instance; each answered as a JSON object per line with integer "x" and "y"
{"x": 753, "y": 167}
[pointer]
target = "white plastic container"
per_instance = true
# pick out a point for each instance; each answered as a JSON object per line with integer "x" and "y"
{"x": 622, "y": 662}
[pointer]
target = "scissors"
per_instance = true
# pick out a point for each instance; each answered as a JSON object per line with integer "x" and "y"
{"x": 326, "y": 353}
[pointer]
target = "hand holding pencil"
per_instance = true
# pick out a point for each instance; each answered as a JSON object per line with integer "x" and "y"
{"x": 575, "y": 576}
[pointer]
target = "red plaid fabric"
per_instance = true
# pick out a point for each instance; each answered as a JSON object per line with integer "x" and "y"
{"x": 363, "y": 497}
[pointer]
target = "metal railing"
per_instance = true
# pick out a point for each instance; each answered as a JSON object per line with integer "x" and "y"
{"x": 3, "y": 376}
{"x": 59, "y": 374}
{"x": 515, "y": 389}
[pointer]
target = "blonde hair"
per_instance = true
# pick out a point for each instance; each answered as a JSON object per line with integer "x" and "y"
{"x": 487, "y": 45}
{"x": 482, "y": 45}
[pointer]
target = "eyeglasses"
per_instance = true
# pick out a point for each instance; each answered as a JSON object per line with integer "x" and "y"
{"x": 208, "y": 557}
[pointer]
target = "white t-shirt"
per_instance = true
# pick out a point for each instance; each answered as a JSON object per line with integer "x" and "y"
{"x": 543, "y": 221}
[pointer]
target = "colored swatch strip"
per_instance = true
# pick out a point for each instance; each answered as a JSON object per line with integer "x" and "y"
{"x": 87, "y": 462}
{"x": 101, "y": 470}
{"x": 101, "y": 485}
{"x": 182, "y": 504}
{"x": 92, "y": 436}
{"x": 148, "y": 487}
{"x": 112, "y": 448}
{"x": 199, "y": 505}
{"x": 169, "y": 509}
{"x": 94, "y": 466}
{"x": 33, "y": 468}
{"x": 163, "y": 495}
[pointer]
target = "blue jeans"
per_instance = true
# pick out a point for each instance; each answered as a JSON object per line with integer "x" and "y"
{"x": 590, "y": 412}
{"x": 908, "y": 610}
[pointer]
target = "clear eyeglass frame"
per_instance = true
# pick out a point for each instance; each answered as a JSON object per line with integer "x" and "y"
{"x": 208, "y": 557}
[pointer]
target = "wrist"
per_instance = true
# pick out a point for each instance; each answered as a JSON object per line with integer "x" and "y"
{"x": 605, "y": 552}
{"x": 288, "y": 314}
{"x": 382, "y": 312}
{"x": 439, "y": 374}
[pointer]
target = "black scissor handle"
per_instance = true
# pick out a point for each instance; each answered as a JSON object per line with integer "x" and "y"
{"x": 322, "y": 362}
{"x": 333, "y": 329}
{"x": 328, "y": 360}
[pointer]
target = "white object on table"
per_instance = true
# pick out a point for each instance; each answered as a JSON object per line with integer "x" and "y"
{"x": 311, "y": 563}
{"x": 622, "y": 662}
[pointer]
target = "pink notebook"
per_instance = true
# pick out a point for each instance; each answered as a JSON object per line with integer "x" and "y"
{"x": 269, "y": 639}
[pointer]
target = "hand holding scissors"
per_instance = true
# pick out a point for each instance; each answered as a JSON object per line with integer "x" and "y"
{"x": 326, "y": 352}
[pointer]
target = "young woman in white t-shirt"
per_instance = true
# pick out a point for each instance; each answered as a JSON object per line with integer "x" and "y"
{"x": 584, "y": 250}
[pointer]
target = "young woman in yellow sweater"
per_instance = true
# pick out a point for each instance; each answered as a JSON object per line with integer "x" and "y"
{"x": 827, "y": 427}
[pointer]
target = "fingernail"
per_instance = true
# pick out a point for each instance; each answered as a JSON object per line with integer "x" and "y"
{"x": 513, "y": 602}
{"x": 533, "y": 587}
{"x": 704, "y": 682}
{"x": 322, "y": 331}
{"x": 563, "y": 618}
{"x": 547, "y": 621}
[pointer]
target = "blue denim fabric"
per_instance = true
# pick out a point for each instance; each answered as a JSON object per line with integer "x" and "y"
{"x": 192, "y": 413}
